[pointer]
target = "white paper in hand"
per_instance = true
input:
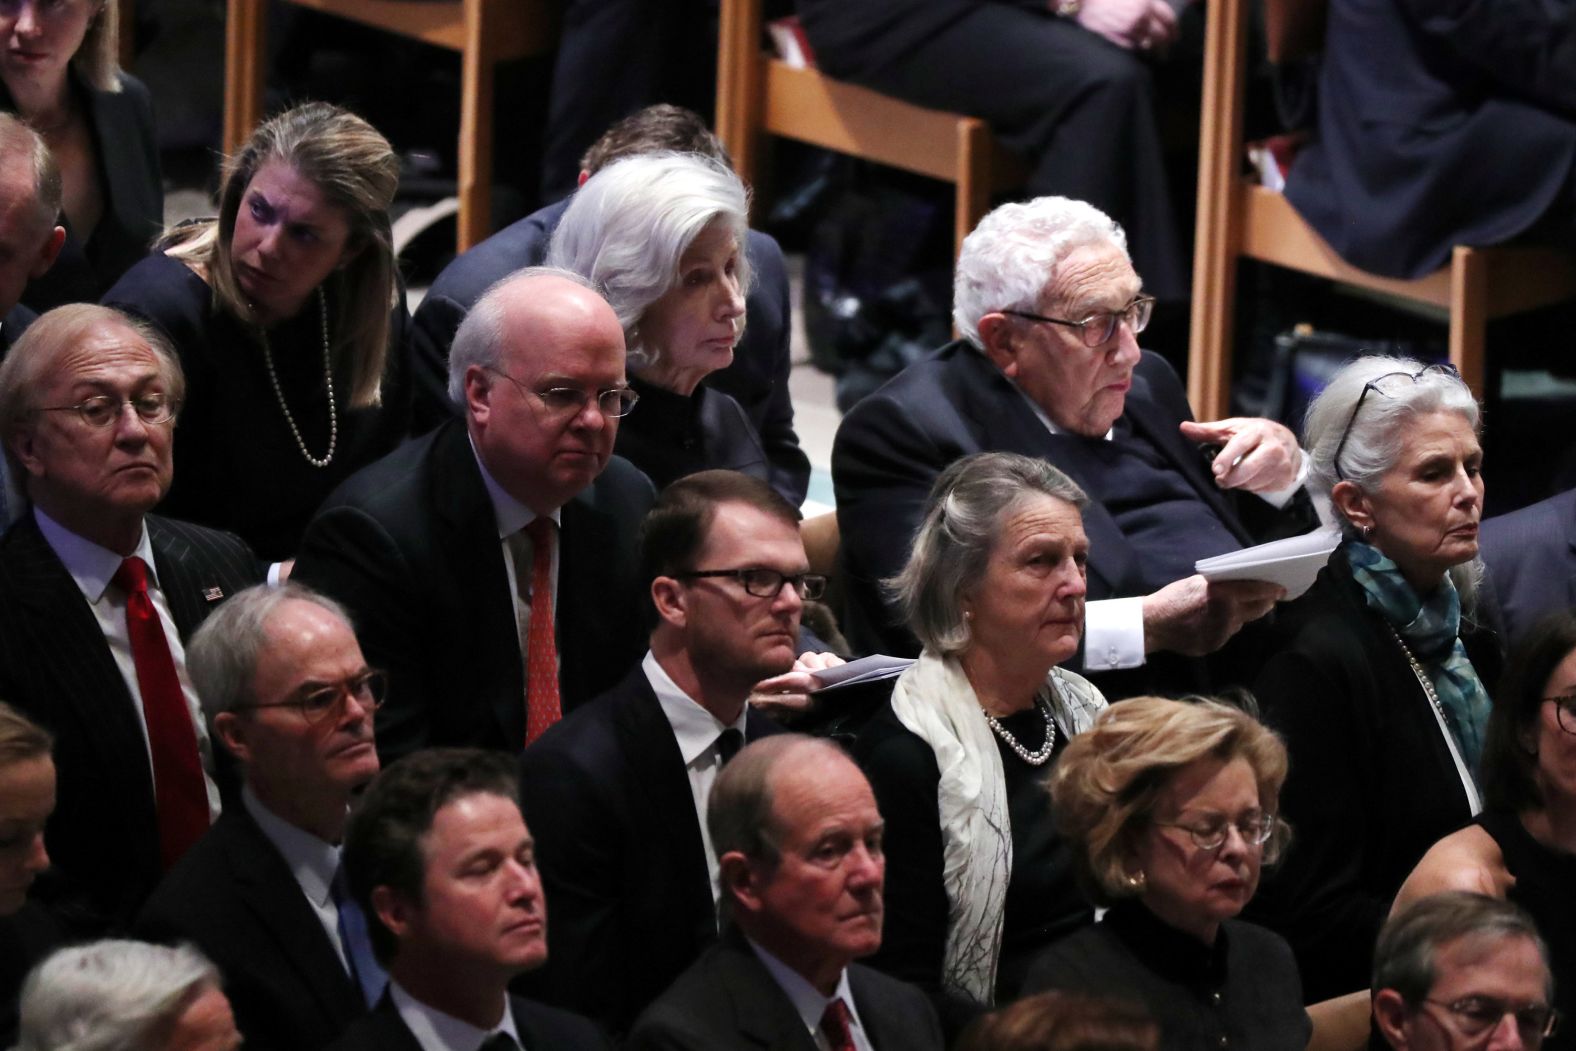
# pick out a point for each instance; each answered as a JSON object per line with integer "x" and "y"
{"x": 1292, "y": 563}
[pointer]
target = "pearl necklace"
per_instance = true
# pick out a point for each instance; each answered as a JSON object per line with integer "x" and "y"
{"x": 1422, "y": 676}
{"x": 328, "y": 380}
{"x": 1040, "y": 755}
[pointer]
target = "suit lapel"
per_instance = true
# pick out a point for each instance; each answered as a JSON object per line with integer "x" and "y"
{"x": 1163, "y": 433}
{"x": 190, "y": 592}
{"x": 763, "y": 1014}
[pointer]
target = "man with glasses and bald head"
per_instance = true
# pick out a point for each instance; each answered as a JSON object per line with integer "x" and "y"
{"x": 490, "y": 566}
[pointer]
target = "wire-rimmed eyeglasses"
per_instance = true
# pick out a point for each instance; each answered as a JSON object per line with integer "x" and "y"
{"x": 766, "y": 583}
{"x": 1096, "y": 330}
{"x": 1255, "y": 827}
{"x": 1374, "y": 385}
{"x": 1476, "y": 1016}
{"x": 572, "y": 401}
{"x": 102, "y": 410}
{"x": 316, "y": 701}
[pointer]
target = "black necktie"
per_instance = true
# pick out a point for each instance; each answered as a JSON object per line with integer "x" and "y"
{"x": 728, "y": 744}
{"x": 499, "y": 1042}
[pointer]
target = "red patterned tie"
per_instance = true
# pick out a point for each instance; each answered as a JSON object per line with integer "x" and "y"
{"x": 834, "y": 1025}
{"x": 541, "y": 644}
{"x": 180, "y": 793}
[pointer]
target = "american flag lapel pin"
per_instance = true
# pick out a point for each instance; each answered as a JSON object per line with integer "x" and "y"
{"x": 213, "y": 594}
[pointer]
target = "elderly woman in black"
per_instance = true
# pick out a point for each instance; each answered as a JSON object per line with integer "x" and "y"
{"x": 1380, "y": 695}
{"x": 978, "y": 880}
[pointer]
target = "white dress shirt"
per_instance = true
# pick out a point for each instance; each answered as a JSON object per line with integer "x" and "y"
{"x": 93, "y": 567}
{"x": 436, "y": 1031}
{"x": 810, "y": 1004}
{"x": 513, "y": 516}
{"x": 311, "y": 861}
{"x": 696, "y": 731}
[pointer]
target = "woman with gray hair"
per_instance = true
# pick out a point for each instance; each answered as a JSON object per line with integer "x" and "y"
{"x": 978, "y": 879}
{"x": 662, "y": 236}
{"x": 1380, "y": 693}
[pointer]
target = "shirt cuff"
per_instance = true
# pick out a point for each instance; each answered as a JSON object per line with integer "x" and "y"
{"x": 1279, "y": 498}
{"x": 1114, "y": 634}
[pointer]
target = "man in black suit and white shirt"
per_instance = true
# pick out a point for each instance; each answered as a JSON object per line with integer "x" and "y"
{"x": 30, "y": 233}
{"x": 627, "y": 776}
{"x": 290, "y": 697}
{"x": 444, "y": 866}
{"x": 100, "y": 597}
{"x": 798, "y": 841}
{"x": 449, "y": 550}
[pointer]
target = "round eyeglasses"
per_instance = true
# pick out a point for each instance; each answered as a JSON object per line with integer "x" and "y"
{"x": 317, "y": 701}
{"x": 1255, "y": 827}
{"x": 1565, "y": 711}
{"x": 101, "y": 410}
{"x": 766, "y": 583}
{"x": 1096, "y": 330}
{"x": 572, "y": 401}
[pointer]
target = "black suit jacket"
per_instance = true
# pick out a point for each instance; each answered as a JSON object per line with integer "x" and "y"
{"x": 410, "y": 545}
{"x": 12, "y": 325}
{"x": 56, "y": 667}
{"x": 1531, "y": 558}
{"x": 729, "y": 1001}
{"x": 234, "y": 896}
{"x": 757, "y": 379}
{"x": 541, "y": 1029}
{"x": 605, "y": 792}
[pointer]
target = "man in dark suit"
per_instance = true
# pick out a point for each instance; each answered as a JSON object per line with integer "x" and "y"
{"x": 99, "y": 599}
{"x": 30, "y": 234}
{"x": 1050, "y": 308}
{"x": 440, "y": 548}
{"x": 798, "y": 840}
{"x": 1531, "y": 559}
{"x": 626, "y": 777}
{"x": 758, "y": 376}
{"x": 290, "y": 697}
{"x": 444, "y": 867}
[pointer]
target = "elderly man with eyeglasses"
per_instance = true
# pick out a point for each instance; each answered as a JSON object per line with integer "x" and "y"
{"x": 289, "y": 695}
{"x": 100, "y": 598}
{"x": 1049, "y": 365}
{"x": 490, "y": 566}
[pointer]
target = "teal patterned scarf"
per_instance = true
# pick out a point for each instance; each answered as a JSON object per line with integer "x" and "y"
{"x": 1432, "y": 630}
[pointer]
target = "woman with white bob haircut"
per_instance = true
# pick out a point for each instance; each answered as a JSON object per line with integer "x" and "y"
{"x": 117, "y": 995}
{"x": 662, "y": 236}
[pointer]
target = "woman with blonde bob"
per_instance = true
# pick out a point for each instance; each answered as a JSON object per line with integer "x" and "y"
{"x": 290, "y": 324}
{"x": 1170, "y": 807}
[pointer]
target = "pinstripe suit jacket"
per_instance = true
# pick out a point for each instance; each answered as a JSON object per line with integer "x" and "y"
{"x": 55, "y": 666}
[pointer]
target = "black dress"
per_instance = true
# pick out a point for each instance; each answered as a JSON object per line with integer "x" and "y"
{"x": 1241, "y": 992}
{"x": 1545, "y": 879}
{"x": 237, "y": 465}
{"x": 670, "y": 435}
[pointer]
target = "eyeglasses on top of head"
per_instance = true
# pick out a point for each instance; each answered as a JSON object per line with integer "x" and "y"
{"x": 1097, "y": 329}
{"x": 102, "y": 410}
{"x": 1255, "y": 827}
{"x": 1479, "y": 1015}
{"x": 1442, "y": 369}
{"x": 567, "y": 401}
{"x": 316, "y": 701}
{"x": 766, "y": 583}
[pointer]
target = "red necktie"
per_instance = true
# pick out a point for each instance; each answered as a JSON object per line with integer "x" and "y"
{"x": 541, "y": 644}
{"x": 834, "y": 1025}
{"x": 180, "y": 793}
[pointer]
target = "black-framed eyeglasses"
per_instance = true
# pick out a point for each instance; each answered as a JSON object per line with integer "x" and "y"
{"x": 766, "y": 583}
{"x": 317, "y": 701}
{"x": 1255, "y": 827}
{"x": 102, "y": 410}
{"x": 1097, "y": 329}
{"x": 1478, "y": 1015}
{"x": 1444, "y": 369}
{"x": 1565, "y": 711}
{"x": 571, "y": 401}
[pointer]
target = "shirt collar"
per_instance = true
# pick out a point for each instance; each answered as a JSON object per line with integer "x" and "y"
{"x": 91, "y": 566}
{"x": 312, "y": 861}
{"x": 510, "y": 514}
{"x": 806, "y": 998}
{"x": 436, "y": 1031}
{"x": 695, "y": 728}
{"x": 1034, "y": 406}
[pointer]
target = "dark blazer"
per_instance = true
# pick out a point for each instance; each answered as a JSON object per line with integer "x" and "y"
{"x": 1372, "y": 785}
{"x": 128, "y": 174}
{"x": 13, "y": 325}
{"x": 410, "y": 545}
{"x": 729, "y": 1001}
{"x": 56, "y": 667}
{"x": 1414, "y": 95}
{"x": 670, "y": 435}
{"x": 1531, "y": 558}
{"x": 541, "y": 1029}
{"x": 234, "y": 896}
{"x": 757, "y": 379}
{"x": 605, "y": 792}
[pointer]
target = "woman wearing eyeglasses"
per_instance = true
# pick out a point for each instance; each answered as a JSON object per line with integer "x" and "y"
{"x": 290, "y": 325}
{"x": 1380, "y": 693}
{"x": 978, "y": 879}
{"x": 1523, "y": 846}
{"x": 1170, "y": 807}
{"x": 662, "y": 236}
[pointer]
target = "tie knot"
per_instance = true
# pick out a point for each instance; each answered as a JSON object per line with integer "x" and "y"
{"x": 499, "y": 1042}
{"x": 835, "y": 1024}
{"x": 540, "y": 530}
{"x": 728, "y": 744}
{"x": 132, "y": 576}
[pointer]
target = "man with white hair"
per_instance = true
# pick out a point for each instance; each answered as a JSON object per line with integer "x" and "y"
{"x": 1049, "y": 365}
{"x": 30, "y": 232}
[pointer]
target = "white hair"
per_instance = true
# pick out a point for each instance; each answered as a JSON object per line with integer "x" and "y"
{"x": 479, "y": 339}
{"x": 628, "y": 227}
{"x": 1010, "y": 256}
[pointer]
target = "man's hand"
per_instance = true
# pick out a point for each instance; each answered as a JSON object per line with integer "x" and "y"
{"x": 786, "y": 697}
{"x": 1257, "y": 455}
{"x": 1130, "y": 24}
{"x": 1195, "y": 616}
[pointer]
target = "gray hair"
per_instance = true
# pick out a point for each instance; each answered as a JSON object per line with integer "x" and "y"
{"x": 1405, "y": 957}
{"x": 20, "y": 142}
{"x": 1011, "y": 255}
{"x": 479, "y": 339}
{"x": 963, "y": 520}
{"x": 222, "y": 657}
{"x": 110, "y": 995}
{"x": 628, "y": 227}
